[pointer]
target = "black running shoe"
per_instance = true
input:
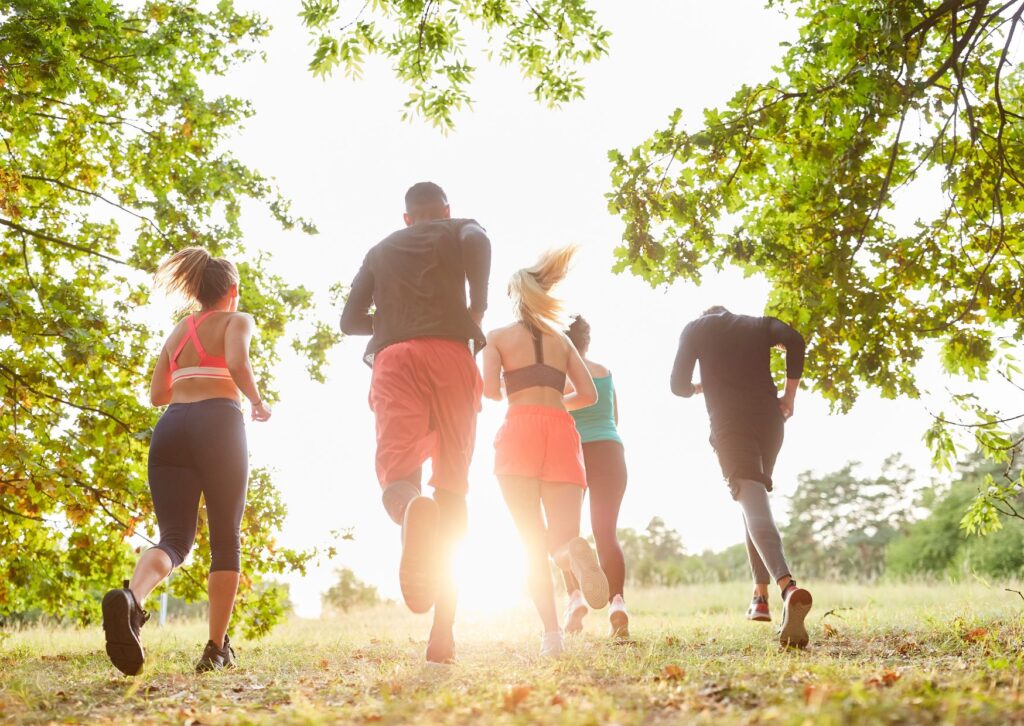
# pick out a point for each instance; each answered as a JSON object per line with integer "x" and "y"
{"x": 215, "y": 658}
{"x": 122, "y": 621}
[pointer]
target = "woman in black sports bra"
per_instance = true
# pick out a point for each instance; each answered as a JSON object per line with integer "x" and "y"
{"x": 538, "y": 458}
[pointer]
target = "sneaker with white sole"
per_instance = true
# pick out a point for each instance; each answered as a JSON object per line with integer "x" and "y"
{"x": 588, "y": 573}
{"x": 419, "y": 569}
{"x": 575, "y": 611}
{"x": 618, "y": 618}
{"x": 796, "y": 603}
{"x": 552, "y": 644}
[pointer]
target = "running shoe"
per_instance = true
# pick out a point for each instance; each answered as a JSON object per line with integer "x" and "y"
{"x": 758, "y": 610}
{"x": 419, "y": 570}
{"x": 552, "y": 644}
{"x": 215, "y": 658}
{"x": 618, "y": 618}
{"x": 122, "y": 621}
{"x": 796, "y": 604}
{"x": 588, "y": 573}
{"x": 575, "y": 610}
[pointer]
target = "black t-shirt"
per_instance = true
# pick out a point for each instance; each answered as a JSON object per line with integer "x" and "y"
{"x": 735, "y": 364}
{"x": 415, "y": 279}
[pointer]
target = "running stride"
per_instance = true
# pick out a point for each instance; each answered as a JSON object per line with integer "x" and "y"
{"x": 747, "y": 417}
{"x": 538, "y": 459}
{"x": 605, "y": 460}
{"x": 198, "y": 450}
{"x": 425, "y": 387}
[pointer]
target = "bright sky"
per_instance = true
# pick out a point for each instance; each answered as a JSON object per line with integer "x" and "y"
{"x": 534, "y": 178}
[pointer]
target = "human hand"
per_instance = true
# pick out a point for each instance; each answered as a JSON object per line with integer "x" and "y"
{"x": 786, "y": 405}
{"x": 260, "y": 412}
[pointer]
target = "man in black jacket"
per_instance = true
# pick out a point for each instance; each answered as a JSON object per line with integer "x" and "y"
{"x": 425, "y": 387}
{"x": 747, "y": 417}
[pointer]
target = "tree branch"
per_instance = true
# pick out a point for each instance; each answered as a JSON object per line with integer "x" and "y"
{"x": 59, "y": 241}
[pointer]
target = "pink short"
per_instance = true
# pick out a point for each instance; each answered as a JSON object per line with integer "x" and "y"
{"x": 539, "y": 442}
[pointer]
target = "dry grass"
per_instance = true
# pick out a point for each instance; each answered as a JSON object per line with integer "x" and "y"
{"x": 893, "y": 654}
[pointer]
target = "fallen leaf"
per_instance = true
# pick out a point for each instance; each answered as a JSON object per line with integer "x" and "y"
{"x": 973, "y": 636}
{"x": 515, "y": 695}
{"x": 885, "y": 679}
{"x": 829, "y": 631}
{"x": 557, "y": 700}
{"x": 672, "y": 672}
{"x": 671, "y": 640}
{"x": 324, "y": 663}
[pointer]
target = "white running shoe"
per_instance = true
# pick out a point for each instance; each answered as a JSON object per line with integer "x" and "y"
{"x": 552, "y": 645}
{"x": 588, "y": 573}
{"x": 575, "y": 610}
{"x": 619, "y": 618}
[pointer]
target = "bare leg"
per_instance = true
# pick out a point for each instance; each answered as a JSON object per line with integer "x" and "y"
{"x": 223, "y": 585}
{"x": 522, "y": 495}
{"x": 453, "y": 522}
{"x": 152, "y": 568}
{"x": 562, "y": 505}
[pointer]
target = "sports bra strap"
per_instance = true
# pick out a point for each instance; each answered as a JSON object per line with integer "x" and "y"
{"x": 193, "y": 334}
{"x": 538, "y": 344}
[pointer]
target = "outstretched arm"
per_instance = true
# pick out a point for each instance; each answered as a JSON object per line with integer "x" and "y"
{"x": 356, "y": 318}
{"x": 686, "y": 359}
{"x": 476, "y": 258}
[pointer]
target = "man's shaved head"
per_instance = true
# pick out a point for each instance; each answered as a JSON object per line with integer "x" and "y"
{"x": 425, "y": 202}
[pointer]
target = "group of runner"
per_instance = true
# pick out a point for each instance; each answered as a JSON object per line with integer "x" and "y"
{"x": 559, "y": 437}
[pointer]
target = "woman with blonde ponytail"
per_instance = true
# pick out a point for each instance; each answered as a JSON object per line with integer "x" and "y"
{"x": 538, "y": 458}
{"x": 198, "y": 450}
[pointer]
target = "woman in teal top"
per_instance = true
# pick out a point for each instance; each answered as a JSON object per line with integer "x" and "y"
{"x": 605, "y": 461}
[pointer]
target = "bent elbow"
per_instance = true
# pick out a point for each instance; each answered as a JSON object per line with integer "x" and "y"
{"x": 683, "y": 390}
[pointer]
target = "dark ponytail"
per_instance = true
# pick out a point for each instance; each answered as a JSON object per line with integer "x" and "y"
{"x": 579, "y": 333}
{"x": 197, "y": 275}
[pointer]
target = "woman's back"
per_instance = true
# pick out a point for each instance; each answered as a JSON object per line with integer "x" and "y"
{"x": 188, "y": 361}
{"x": 518, "y": 351}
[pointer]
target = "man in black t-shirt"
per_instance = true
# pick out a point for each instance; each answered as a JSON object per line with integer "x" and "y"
{"x": 425, "y": 387}
{"x": 747, "y": 417}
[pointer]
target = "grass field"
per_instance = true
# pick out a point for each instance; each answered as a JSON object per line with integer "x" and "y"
{"x": 893, "y": 654}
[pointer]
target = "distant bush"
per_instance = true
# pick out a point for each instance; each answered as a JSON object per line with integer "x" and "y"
{"x": 938, "y": 546}
{"x": 349, "y": 592}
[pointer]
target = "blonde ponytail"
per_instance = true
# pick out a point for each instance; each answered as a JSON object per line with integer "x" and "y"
{"x": 530, "y": 290}
{"x": 197, "y": 275}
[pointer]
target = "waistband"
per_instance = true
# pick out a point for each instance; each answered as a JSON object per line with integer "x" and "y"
{"x": 534, "y": 410}
{"x": 207, "y": 403}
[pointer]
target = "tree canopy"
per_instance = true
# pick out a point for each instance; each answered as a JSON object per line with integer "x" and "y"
{"x": 426, "y": 40}
{"x": 111, "y": 157}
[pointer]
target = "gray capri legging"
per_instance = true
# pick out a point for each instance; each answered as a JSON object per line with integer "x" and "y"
{"x": 199, "y": 449}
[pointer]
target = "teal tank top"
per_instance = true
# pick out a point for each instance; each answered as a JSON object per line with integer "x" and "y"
{"x": 597, "y": 422}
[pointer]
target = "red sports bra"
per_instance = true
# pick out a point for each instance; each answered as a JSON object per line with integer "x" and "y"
{"x": 210, "y": 366}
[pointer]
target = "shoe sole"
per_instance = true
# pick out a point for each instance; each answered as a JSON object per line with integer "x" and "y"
{"x": 574, "y": 623}
{"x": 759, "y": 618}
{"x": 620, "y": 625}
{"x": 123, "y": 648}
{"x": 793, "y": 633}
{"x": 418, "y": 571}
{"x": 588, "y": 573}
